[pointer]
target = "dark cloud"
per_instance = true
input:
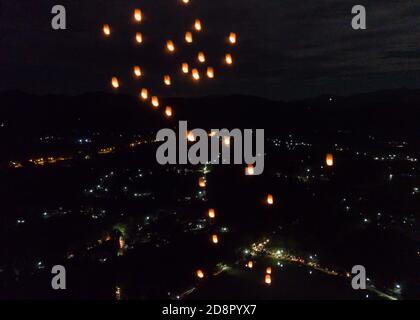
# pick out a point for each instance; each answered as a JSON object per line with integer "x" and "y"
{"x": 288, "y": 49}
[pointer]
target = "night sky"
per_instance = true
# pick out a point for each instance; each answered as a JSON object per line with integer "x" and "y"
{"x": 287, "y": 49}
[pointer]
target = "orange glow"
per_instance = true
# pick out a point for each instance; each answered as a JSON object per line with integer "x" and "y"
{"x": 195, "y": 74}
{"x": 228, "y": 58}
{"x": 137, "y": 15}
{"x": 210, "y": 72}
{"x": 197, "y": 25}
{"x": 106, "y": 29}
{"x": 202, "y": 182}
{"x": 170, "y": 46}
{"x": 168, "y": 111}
{"x": 190, "y": 136}
{"x": 215, "y": 239}
{"x": 189, "y": 37}
{"x": 212, "y": 214}
{"x": 137, "y": 71}
{"x": 249, "y": 171}
{"x": 200, "y": 274}
{"x": 268, "y": 279}
{"x": 250, "y": 264}
{"x": 155, "y": 101}
{"x": 329, "y": 160}
{"x": 232, "y": 38}
{"x": 201, "y": 57}
{"x": 186, "y": 1}
{"x": 115, "y": 83}
{"x": 144, "y": 94}
{"x": 167, "y": 80}
{"x": 139, "y": 37}
{"x": 226, "y": 141}
{"x": 270, "y": 199}
{"x": 268, "y": 271}
{"x": 185, "y": 68}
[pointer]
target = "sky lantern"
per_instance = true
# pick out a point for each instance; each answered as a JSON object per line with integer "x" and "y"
{"x": 329, "y": 160}
{"x": 144, "y": 94}
{"x": 185, "y": 68}
{"x": 212, "y": 213}
{"x": 249, "y": 171}
{"x": 115, "y": 83}
{"x": 202, "y": 182}
{"x": 226, "y": 141}
{"x": 167, "y": 80}
{"x": 232, "y": 38}
{"x": 210, "y": 72}
{"x": 201, "y": 57}
{"x": 188, "y": 37}
{"x": 137, "y": 71}
{"x": 197, "y": 25}
{"x": 155, "y": 101}
{"x": 186, "y": 1}
{"x": 195, "y": 74}
{"x": 215, "y": 239}
{"x": 268, "y": 279}
{"x": 190, "y": 136}
{"x": 250, "y": 264}
{"x": 168, "y": 111}
{"x": 170, "y": 46}
{"x": 200, "y": 274}
{"x": 228, "y": 59}
{"x": 106, "y": 29}
{"x": 138, "y": 15}
{"x": 270, "y": 199}
{"x": 139, "y": 37}
{"x": 268, "y": 270}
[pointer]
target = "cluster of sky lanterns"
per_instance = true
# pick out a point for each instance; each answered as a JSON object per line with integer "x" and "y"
{"x": 171, "y": 48}
{"x": 168, "y": 111}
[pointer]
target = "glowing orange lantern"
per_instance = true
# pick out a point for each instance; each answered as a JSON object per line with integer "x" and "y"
{"x": 170, "y": 46}
{"x": 329, "y": 160}
{"x": 115, "y": 83}
{"x": 195, "y": 74}
{"x": 155, "y": 101}
{"x": 144, "y": 94}
{"x": 167, "y": 80}
{"x": 168, "y": 111}
{"x": 188, "y": 37}
{"x": 202, "y": 182}
{"x": 200, "y": 274}
{"x": 215, "y": 239}
{"x": 212, "y": 214}
{"x": 210, "y": 72}
{"x": 268, "y": 271}
{"x": 185, "y": 68}
{"x": 186, "y": 1}
{"x": 190, "y": 136}
{"x": 139, "y": 37}
{"x": 226, "y": 141}
{"x": 268, "y": 279}
{"x": 197, "y": 25}
{"x": 250, "y": 264}
{"x": 106, "y": 29}
{"x": 270, "y": 199}
{"x": 137, "y": 15}
{"x": 137, "y": 71}
{"x": 228, "y": 59}
{"x": 249, "y": 171}
{"x": 232, "y": 38}
{"x": 201, "y": 57}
